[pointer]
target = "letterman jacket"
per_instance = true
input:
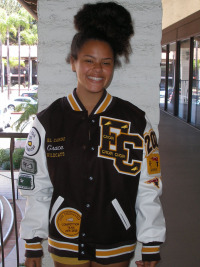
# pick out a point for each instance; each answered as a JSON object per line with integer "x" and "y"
{"x": 92, "y": 183}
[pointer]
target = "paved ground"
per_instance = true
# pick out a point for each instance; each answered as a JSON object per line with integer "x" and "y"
{"x": 6, "y": 190}
{"x": 180, "y": 163}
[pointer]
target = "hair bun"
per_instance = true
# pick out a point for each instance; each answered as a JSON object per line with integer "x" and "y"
{"x": 107, "y": 21}
{"x": 108, "y": 18}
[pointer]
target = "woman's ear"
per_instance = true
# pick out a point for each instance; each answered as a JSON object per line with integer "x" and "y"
{"x": 73, "y": 65}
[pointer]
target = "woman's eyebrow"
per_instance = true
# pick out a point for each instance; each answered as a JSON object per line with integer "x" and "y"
{"x": 107, "y": 58}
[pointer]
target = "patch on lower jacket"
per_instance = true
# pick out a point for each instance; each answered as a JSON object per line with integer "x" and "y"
{"x": 29, "y": 165}
{"x": 26, "y": 181}
{"x": 155, "y": 181}
{"x": 68, "y": 221}
{"x": 153, "y": 163}
{"x": 33, "y": 142}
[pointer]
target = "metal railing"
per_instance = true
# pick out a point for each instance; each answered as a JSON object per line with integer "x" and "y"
{"x": 12, "y": 137}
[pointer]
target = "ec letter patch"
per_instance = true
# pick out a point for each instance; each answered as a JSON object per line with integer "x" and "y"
{"x": 119, "y": 145}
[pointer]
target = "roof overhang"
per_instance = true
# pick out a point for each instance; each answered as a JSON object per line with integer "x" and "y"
{"x": 30, "y": 6}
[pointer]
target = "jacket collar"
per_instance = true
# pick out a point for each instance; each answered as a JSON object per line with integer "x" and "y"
{"x": 101, "y": 106}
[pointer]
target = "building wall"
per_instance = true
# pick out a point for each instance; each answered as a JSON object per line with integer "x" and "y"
{"x": 137, "y": 82}
{"x": 175, "y": 10}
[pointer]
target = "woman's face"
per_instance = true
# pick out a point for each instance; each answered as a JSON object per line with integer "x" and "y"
{"x": 94, "y": 67}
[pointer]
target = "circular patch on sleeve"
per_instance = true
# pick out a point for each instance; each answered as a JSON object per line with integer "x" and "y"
{"x": 68, "y": 221}
{"x": 33, "y": 142}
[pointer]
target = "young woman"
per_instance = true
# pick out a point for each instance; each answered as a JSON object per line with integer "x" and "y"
{"x": 91, "y": 170}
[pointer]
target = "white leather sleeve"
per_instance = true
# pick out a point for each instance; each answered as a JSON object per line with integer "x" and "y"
{"x": 150, "y": 221}
{"x": 35, "y": 185}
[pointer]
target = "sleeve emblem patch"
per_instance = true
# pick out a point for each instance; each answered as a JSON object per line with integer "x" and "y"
{"x": 33, "y": 142}
{"x": 153, "y": 163}
{"x": 68, "y": 221}
{"x": 26, "y": 182}
{"x": 155, "y": 181}
{"x": 29, "y": 165}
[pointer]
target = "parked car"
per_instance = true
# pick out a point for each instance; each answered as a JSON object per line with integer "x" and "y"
{"x": 20, "y": 100}
{"x": 32, "y": 94}
{"x": 5, "y": 118}
{"x": 34, "y": 87}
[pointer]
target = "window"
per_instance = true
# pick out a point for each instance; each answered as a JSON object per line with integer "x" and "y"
{"x": 195, "y": 112}
{"x": 163, "y": 77}
{"x": 171, "y": 77}
{"x": 184, "y": 79}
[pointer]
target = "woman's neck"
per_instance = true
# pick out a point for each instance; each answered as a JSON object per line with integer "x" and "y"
{"x": 88, "y": 99}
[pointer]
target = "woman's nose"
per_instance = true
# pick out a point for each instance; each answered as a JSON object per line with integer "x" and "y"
{"x": 98, "y": 66}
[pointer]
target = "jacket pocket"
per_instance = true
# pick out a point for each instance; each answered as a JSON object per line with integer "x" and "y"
{"x": 55, "y": 206}
{"x": 121, "y": 214}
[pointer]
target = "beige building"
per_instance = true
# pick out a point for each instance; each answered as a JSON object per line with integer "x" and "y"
{"x": 176, "y": 10}
{"x": 180, "y": 67}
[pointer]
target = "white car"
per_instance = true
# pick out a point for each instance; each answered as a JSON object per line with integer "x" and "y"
{"x": 5, "y": 118}
{"x": 20, "y": 100}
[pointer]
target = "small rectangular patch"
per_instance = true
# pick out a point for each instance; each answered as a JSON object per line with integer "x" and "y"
{"x": 29, "y": 165}
{"x": 26, "y": 181}
{"x": 153, "y": 163}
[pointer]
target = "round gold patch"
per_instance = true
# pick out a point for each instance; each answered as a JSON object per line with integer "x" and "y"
{"x": 68, "y": 221}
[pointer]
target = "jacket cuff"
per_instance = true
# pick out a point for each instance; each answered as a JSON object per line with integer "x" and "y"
{"x": 151, "y": 251}
{"x": 33, "y": 248}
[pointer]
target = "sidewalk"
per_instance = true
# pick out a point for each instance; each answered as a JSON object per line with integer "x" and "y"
{"x": 6, "y": 190}
{"x": 6, "y": 184}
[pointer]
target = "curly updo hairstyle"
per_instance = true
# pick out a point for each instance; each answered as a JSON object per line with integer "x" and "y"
{"x": 104, "y": 21}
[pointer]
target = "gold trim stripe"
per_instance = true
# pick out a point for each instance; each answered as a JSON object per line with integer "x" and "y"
{"x": 63, "y": 245}
{"x": 73, "y": 103}
{"x": 33, "y": 246}
{"x": 150, "y": 249}
{"x": 105, "y": 104}
{"x": 102, "y": 253}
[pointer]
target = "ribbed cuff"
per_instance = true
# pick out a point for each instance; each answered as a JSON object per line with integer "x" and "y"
{"x": 151, "y": 251}
{"x": 33, "y": 248}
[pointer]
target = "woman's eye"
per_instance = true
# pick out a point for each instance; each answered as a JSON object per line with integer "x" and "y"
{"x": 107, "y": 63}
{"x": 88, "y": 60}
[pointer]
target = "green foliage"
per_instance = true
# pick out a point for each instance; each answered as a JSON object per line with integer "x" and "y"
{"x": 3, "y": 26}
{"x": 17, "y": 157}
{"x": 6, "y": 165}
{"x": 10, "y": 6}
{"x": 14, "y": 62}
{"x": 30, "y": 36}
{"x": 13, "y": 17}
{"x": 5, "y": 158}
{"x": 196, "y": 63}
{"x": 29, "y": 111}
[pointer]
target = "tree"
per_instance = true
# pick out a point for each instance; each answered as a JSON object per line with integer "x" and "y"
{"x": 15, "y": 19}
{"x": 24, "y": 120}
{"x": 30, "y": 37}
{"x": 9, "y": 6}
{"x": 20, "y": 20}
{"x": 3, "y": 28}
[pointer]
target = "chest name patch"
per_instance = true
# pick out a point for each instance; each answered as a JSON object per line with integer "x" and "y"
{"x": 55, "y": 147}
